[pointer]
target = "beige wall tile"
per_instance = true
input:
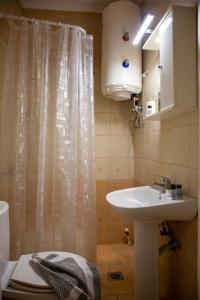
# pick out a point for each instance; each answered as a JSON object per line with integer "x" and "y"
{"x": 139, "y": 170}
{"x": 11, "y": 7}
{"x": 146, "y": 128}
{"x": 131, "y": 168}
{"x": 194, "y": 145}
{"x": 155, "y": 146}
{"x": 102, "y": 145}
{"x": 155, "y": 125}
{"x": 167, "y": 170}
{"x": 182, "y": 176}
{"x": 181, "y": 145}
{"x": 116, "y": 232}
{"x": 120, "y": 106}
{"x": 102, "y": 233}
{"x": 167, "y": 145}
{"x": 180, "y": 120}
{"x": 120, "y": 124}
{"x": 147, "y": 144}
{"x": 193, "y": 188}
{"x": 120, "y": 184}
{"x": 151, "y": 170}
{"x": 103, "y": 212}
{"x": 102, "y": 168}
{"x": 101, "y": 103}
{"x": 102, "y": 189}
{"x": 139, "y": 146}
{"x": 102, "y": 123}
{"x": 194, "y": 117}
{"x": 119, "y": 146}
{"x": 119, "y": 168}
{"x": 131, "y": 147}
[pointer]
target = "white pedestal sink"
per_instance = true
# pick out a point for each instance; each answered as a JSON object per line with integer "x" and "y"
{"x": 147, "y": 207}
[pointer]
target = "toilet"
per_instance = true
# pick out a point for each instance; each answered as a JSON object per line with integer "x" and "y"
{"x": 27, "y": 277}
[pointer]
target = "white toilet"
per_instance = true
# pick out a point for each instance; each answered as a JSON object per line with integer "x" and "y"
{"x": 9, "y": 268}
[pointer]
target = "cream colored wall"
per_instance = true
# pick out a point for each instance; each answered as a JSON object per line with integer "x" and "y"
{"x": 10, "y": 7}
{"x": 114, "y": 145}
{"x": 170, "y": 148}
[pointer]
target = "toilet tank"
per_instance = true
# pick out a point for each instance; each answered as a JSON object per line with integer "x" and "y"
{"x": 4, "y": 231}
{"x": 121, "y": 60}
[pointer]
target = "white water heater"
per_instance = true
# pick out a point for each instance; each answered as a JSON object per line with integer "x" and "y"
{"x": 121, "y": 60}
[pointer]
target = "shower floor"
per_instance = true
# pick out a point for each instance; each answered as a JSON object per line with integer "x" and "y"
{"x": 116, "y": 258}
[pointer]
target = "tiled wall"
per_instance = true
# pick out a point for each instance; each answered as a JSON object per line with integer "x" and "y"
{"x": 10, "y": 7}
{"x": 170, "y": 148}
{"x": 114, "y": 163}
{"x": 114, "y": 142}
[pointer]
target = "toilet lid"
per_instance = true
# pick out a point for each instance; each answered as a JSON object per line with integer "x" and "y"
{"x": 28, "y": 275}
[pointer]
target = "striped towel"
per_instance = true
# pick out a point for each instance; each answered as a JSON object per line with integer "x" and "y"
{"x": 70, "y": 275}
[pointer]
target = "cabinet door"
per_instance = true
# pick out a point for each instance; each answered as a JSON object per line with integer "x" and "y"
{"x": 166, "y": 62}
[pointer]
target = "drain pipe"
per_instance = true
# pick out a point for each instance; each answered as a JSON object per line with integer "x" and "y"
{"x": 174, "y": 244}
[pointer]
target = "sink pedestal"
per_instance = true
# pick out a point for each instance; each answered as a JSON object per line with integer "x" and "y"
{"x": 146, "y": 260}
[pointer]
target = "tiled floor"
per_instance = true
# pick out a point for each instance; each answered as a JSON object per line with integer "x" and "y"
{"x": 116, "y": 258}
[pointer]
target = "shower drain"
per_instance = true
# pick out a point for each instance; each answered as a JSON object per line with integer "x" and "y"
{"x": 115, "y": 276}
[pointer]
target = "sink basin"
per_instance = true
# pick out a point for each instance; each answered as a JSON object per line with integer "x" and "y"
{"x": 146, "y": 204}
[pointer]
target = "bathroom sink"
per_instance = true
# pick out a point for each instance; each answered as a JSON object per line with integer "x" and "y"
{"x": 146, "y": 204}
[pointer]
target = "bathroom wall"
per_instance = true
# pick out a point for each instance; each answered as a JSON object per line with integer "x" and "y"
{"x": 114, "y": 145}
{"x": 170, "y": 148}
{"x": 10, "y": 7}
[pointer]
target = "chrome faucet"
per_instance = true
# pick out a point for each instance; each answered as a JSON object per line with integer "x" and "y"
{"x": 163, "y": 185}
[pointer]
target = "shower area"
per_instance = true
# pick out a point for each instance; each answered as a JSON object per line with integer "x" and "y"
{"x": 47, "y": 141}
{"x": 47, "y": 136}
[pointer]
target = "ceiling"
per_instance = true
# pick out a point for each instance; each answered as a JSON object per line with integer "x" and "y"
{"x": 91, "y": 5}
{"x": 67, "y": 5}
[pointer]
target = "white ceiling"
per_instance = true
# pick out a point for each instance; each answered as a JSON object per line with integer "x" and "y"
{"x": 91, "y": 5}
{"x": 69, "y": 5}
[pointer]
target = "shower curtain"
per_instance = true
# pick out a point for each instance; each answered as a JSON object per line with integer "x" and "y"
{"x": 47, "y": 139}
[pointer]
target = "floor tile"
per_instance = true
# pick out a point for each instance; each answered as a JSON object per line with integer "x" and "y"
{"x": 116, "y": 258}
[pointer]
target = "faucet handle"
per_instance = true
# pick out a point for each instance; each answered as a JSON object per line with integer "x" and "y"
{"x": 165, "y": 180}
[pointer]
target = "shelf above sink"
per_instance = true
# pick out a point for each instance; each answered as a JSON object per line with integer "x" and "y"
{"x": 169, "y": 112}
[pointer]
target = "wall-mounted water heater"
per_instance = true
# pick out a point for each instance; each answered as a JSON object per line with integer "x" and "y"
{"x": 121, "y": 60}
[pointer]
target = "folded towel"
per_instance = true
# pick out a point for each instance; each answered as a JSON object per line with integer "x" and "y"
{"x": 70, "y": 275}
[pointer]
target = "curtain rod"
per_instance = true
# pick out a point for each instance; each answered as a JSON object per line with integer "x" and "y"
{"x": 21, "y": 18}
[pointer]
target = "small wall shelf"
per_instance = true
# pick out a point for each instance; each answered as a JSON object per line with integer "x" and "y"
{"x": 166, "y": 113}
{"x": 175, "y": 39}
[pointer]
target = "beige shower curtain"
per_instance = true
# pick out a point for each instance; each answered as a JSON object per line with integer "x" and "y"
{"x": 47, "y": 139}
